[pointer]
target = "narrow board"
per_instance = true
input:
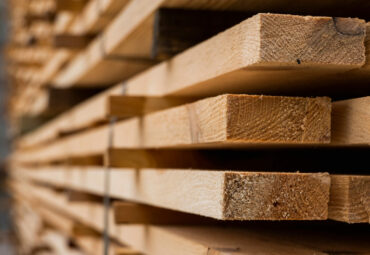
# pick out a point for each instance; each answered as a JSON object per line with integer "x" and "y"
{"x": 225, "y": 55}
{"x": 224, "y": 195}
{"x": 228, "y": 120}
{"x": 214, "y": 240}
{"x": 93, "y": 111}
{"x": 351, "y": 121}
{"x": 350, "y": 198}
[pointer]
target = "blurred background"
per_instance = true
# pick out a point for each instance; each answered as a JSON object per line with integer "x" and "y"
{"x": 5, "y": 222}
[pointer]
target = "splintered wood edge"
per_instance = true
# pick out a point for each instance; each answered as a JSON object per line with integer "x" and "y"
{"x": 272, "y": 196}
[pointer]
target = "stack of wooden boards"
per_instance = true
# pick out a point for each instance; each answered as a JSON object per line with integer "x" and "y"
{"x": 219, "y": 120}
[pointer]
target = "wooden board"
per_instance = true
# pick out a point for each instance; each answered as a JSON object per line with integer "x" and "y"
{"x": 351, "y": 121}
{"x": 227, "y": 120}
{"x": 350, "y": 198}
{"x": 225, "y": 56}
{"x": 225, "y": 195}
{"x": 91, "y": 111}
{"x": 252, "y": 239}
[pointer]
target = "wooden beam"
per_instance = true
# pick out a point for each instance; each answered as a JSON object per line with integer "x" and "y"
{"x": 224, "y": 195}
{"x": 92, "y": 113}
{"x": 254, "y": 238}
{"x": 228, "y": 61}
{"x": 227, "y": 120}
{"x": 134, "y": 213}
{"x": 350, "y": 198}
{"x": 351, "y": 121}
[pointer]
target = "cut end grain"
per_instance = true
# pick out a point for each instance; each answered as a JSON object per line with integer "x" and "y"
{"x": 306, "y": 40}
{"x": 286, "y": 194}
{"x": 278, "y": 119}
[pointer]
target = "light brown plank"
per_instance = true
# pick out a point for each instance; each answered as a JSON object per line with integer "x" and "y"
{"x": 350, "y": 198}
{"x": 225, "y": 55}
{"x": 253, "y": 239}
{"x": 226, "y": 195}
{"x": 228, "y": 120}
{"x": 351, "y": 121}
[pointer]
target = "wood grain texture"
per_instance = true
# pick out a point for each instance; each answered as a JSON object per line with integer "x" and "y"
{"x": 254, "y": 238}
{"x": 351, "y": 121}
{"x": 224, "y": 195}
{"x": 227, "y": 119}
{"x": 226, "y": 54}
{"x": 91, "y": 111}
{"x": 239, "y": 61}
{"x": 192, "y": 240}
{"x": 350, "y": 198}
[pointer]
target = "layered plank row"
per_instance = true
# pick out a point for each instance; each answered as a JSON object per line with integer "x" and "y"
{"x": 211, "y": 115}
{"x": 193, "y": 239}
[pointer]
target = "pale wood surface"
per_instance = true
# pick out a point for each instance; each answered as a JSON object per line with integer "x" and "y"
{"x": 350, "y": 198}
{"x": 226, "y": 55}
{"x": 351, "y": 121}
{"x": 204, "y": 240}
{"x": 226, "y": 119}
{"x": 227, "y": 195}
{"x": 92, "y": 111}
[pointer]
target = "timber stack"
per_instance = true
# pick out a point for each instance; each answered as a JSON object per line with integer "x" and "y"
{"x": 190, "y": 126}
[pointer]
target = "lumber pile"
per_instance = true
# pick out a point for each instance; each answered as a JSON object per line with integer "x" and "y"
{"x": 189, "y": 127}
